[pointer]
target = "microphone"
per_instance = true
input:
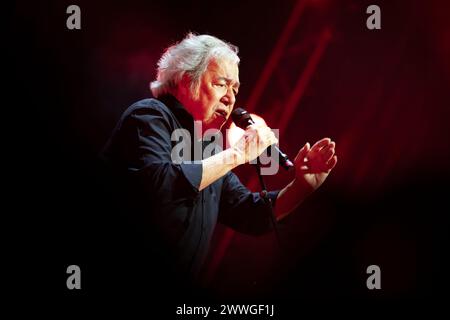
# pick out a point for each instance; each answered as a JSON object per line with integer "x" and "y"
{"x": 243, "y": 120}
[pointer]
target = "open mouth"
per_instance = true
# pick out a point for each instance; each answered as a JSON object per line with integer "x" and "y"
{"x": 222, "y": 113}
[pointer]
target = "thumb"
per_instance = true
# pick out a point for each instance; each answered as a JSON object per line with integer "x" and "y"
{"x": 303, "y": 152}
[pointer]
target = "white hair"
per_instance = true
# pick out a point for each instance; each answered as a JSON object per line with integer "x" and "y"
{"x": 190, "y": 56}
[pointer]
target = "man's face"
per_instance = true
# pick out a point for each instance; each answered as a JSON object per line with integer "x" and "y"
{"x": 218, "y": 88}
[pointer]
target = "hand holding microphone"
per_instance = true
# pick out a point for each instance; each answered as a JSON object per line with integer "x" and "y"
{"x": 256, "y": 140}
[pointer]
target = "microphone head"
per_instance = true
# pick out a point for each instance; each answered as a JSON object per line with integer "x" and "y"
{"x": 241, "y": 118}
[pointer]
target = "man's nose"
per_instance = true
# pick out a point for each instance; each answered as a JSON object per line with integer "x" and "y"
{"x": 229, "y": 98}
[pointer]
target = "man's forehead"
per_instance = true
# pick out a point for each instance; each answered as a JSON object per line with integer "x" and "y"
{"x": 224, "y": 69}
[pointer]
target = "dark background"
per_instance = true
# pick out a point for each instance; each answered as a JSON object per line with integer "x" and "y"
{"x": 382, "y": 95}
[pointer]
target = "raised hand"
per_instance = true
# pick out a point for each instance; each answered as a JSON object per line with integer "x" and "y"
{"x": 313, "y": 164}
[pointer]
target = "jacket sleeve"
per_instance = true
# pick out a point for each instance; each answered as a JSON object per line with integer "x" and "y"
{"x": 143, "y": 146}
{"x": 242, "y": 210}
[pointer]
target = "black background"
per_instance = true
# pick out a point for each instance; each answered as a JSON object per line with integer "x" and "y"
{"x": 381, "y": 95}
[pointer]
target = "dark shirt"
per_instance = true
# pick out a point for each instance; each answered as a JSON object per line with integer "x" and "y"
{"x": 178, "y": 218}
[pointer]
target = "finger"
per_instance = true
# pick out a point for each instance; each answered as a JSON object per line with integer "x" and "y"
{"x": 332, "y": 163}
{"x": 328, "y": 154}
{"x": 260, "y": 127}
{"x": 272, "y": 138}
{"x": 265, "y": 140}
{"x": 303, "y": 152}
{"x": 249, "y": 135}
{"x": 304, "y": 168}
{"x": 320, "y": 144}
{"x": 326, "y": 148}
{"x": 252, "y": 129}
{"x": 263, "y": 131}
{"x": 268, "y": 135}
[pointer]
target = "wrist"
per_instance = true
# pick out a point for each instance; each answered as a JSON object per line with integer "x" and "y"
{"x": 301, "y": 186}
